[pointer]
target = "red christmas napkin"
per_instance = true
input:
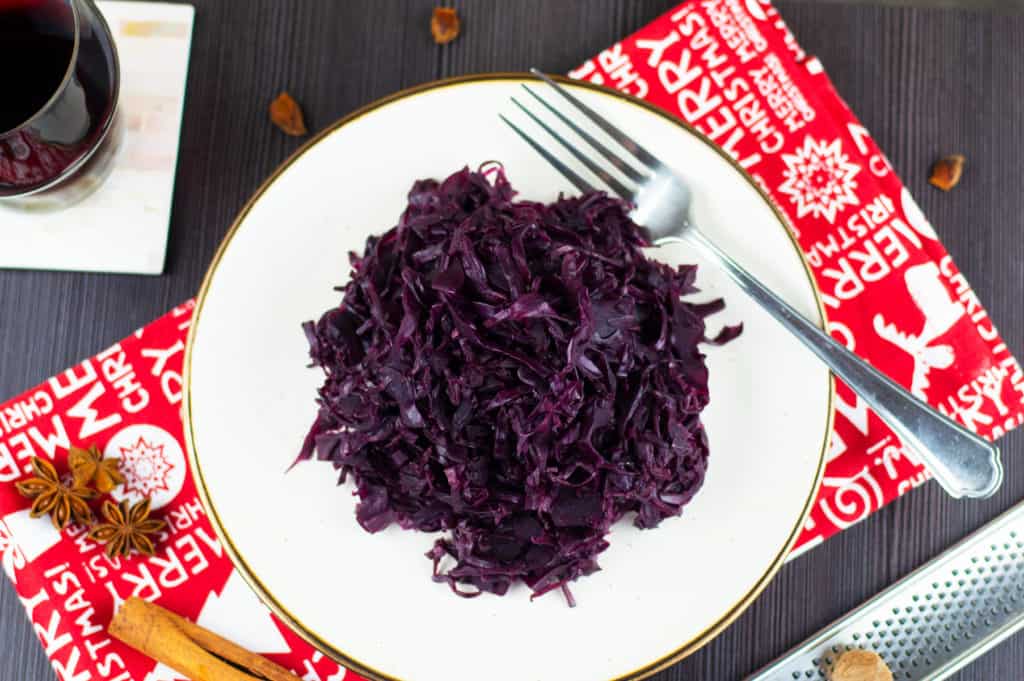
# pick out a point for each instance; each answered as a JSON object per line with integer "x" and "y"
{"x": 892, "y": 293}
{"x": 731, "y": 68}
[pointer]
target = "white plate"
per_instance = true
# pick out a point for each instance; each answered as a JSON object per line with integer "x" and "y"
{"x": 367, "y": 600}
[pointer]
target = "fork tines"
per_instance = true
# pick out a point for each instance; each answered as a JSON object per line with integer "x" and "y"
{"x": 626, "y": 169}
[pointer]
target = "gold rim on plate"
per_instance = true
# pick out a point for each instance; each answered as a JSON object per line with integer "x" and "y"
{"x": 247, "y": 573}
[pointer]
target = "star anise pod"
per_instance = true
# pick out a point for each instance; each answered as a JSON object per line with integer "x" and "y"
{"x": 126, "y": 528}
{"x": 89, "y": 467}
{"x": 63, "y": 503}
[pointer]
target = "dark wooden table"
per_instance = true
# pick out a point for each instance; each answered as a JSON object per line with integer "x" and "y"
{"x": 925, "y": 82}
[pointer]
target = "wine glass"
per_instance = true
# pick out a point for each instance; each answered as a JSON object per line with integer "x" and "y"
{"x": 59, "y": 128}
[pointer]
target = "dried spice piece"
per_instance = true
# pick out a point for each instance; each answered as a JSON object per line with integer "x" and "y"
{"x": 946, "y": 172}
{"x": 860, "y": 665}
{"x": 63, "y": 503}
{"x": 126, "y": 528}
{"x": 89, "y": 467}
{"x": 445, "y": 25}
{"x": 286, "y": 114}
{"x": 194, "y": 652}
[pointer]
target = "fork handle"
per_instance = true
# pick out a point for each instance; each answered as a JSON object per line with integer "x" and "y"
{"x": 963, "y": 463}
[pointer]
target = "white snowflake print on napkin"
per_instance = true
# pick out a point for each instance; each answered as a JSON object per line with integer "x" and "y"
{"x": 152, "y": 463}
{"x": 819, "y": 179}
{"x": 145, "y": 467}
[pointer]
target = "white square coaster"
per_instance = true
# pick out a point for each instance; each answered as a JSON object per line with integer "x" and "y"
{"x": 123, "y": 225}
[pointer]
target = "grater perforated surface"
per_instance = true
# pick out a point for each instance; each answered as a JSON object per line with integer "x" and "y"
{"x": 933, "y": 621}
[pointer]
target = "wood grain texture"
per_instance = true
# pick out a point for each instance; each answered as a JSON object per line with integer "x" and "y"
{"x": 925, "y": 82}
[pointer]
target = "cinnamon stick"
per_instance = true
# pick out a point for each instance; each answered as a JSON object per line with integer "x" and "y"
{"x": 187, "y": 648}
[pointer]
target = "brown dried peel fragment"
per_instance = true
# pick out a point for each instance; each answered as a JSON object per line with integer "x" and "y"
{"x": 860, "y": 665}
{"x": 286, "y": 115}
{"x": 63, "y": 503}
{"x": 946, "y": 172}
{"x": 445, "y": 25}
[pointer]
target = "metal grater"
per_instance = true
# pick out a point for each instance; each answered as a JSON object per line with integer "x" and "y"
{"x": 935, "y": 620}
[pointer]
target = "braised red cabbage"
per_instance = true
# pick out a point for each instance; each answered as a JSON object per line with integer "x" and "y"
{"x": 516, "y": 374}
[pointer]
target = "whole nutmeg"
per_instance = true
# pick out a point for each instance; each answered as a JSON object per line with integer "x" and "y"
{"x": 860, "y": 665}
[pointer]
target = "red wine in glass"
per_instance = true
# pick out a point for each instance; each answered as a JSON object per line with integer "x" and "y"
{"x": 57, "y": 111}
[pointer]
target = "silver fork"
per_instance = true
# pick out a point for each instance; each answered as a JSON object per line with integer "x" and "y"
{"x": 963, "y": 463}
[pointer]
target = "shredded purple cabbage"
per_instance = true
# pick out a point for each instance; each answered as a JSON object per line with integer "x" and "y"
{"x": 519, "y": 375}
